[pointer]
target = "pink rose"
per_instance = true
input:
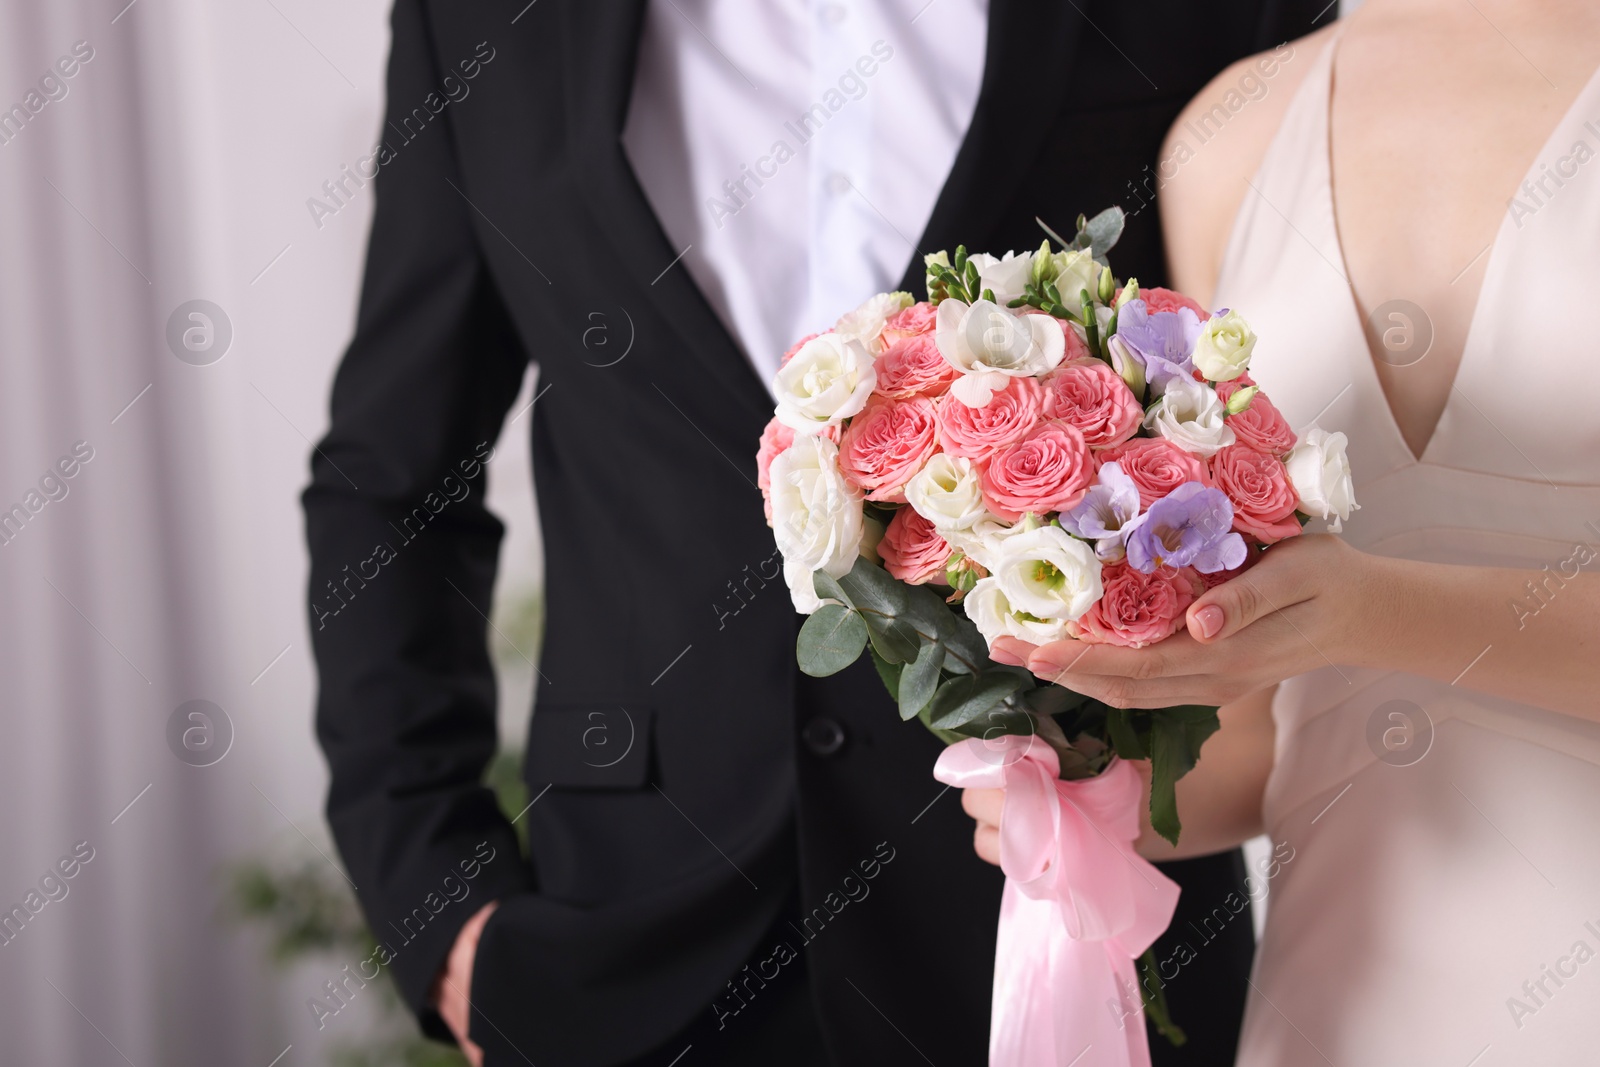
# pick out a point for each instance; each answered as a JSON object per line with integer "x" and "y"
{"x": 913, "y": 367}
{"x": 1048, "y": 470}
{"x": 976, "y": 433}
{"x": 1139, "y": 609}
{"x": 912, "y": 549}
{"x": 797, "y": 346}
{"x": 1095, "y": 399}
{"x": 774, "y": 439}
{"x": 886, "y": 444}
{"x": 909, "y": 322}
{"x": 1156, "y": 465}
{"x": 1261, "y": 425}
{"x": 1158, "y": 299}
{"x": 1258, "y": 485}
{"x": 1077, "y": 347}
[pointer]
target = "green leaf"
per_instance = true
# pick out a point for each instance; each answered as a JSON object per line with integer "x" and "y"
{"x": 1104, "y": 230}
{"x": 1176, "y": 735}
{"x": 919, "y": 679}
{"x": 1124, "y": 737}
{"x": 889, "y": 672}
{"x": 830, "y": 641}
{"x": 964, "y": 698}
{"x": 1153, "y": 994}
{"x": 828, "y": 588}
{"x": 998, "y": 721}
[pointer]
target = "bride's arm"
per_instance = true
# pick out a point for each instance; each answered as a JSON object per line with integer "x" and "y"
{"x": 1313, "y": 601}
{"x": 1220, "y": 799}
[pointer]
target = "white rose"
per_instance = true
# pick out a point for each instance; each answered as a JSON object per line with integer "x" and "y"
{"x": 986, "y": 605}
{"x": 865, "y": 323}
{"x": 1190, "y": 415}
{"x": 1319, "y": 470}
{"x": 947, "y": 492}
{"x": 1222, "y": 351}
{"x": 816, "y": 514}
{"x": 1048, "y": 574}
{"x": 989, "y": 343}
{"x": 826, "y": 382}
{"x": 1006, "y": 277}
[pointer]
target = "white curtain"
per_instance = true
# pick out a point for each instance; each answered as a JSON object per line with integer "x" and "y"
{"x": 174, "y": 164}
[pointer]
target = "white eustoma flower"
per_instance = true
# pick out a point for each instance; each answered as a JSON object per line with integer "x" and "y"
{"x": 1006, "y": 277}
{"x": 827, "y": 381}
{"x": 1048, "y": 573}
{"x": 1222, "y": 351}
{"x": 947, "y": 492}
{"x": 986, "y": 605}
{"x": 983, "y": 540}
{"x": 1190, "y": 415}
{"x": 1319, "y": 470}
{"x": 865, "y": 323}
{"x": 816, "y": 516}
{"x": 989, "y": 343}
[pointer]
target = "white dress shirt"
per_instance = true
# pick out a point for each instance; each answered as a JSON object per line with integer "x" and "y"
{"x": 796, "y": 148}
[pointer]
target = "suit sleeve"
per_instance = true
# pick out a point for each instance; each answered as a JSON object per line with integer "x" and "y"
{"x": 403, "y": 553}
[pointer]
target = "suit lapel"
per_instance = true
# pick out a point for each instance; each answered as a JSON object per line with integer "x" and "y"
{"x": 600, "y": 57}
{"x": 1021, "y": 81}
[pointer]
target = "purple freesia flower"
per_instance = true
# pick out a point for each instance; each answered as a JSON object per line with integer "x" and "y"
{"x": 1163, "y": 342}
{"x": 1192, "y": 526}
{"x": 1106, "y": 514}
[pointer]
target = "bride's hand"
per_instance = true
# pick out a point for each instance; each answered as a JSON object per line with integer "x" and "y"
{"x": 1295, "y": 611}
{"x": 984, "y": 806}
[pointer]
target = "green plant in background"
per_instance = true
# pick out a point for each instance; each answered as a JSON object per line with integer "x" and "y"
{"x": 307, "y": 911}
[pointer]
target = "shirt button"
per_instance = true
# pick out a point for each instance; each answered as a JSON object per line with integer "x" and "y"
{"x": 838, "y": 183}
{"x": 823, "y": 736}
{"x": 834, "y": 13}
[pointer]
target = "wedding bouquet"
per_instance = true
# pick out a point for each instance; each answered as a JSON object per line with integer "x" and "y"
{"x": 1041, "y": 452}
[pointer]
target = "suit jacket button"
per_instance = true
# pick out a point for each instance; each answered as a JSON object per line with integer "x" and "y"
{"x": 823, "y": 736}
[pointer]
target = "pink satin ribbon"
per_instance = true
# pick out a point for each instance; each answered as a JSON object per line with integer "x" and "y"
{"x": 1080, "y": 905}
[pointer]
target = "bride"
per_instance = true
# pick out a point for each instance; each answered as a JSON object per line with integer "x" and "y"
{"x": 1410, "y": 220}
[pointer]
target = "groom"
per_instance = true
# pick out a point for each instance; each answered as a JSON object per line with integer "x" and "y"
{"x": 729, "y": 863}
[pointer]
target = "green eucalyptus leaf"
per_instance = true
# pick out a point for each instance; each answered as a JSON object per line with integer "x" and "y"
{"x": 965, "y": 697}
{"x": 830, "y": 640}
{"x": 919, "y": 679}
{"x": 1104, "y": 230}
{"x": 1125, "y": 737}
{"x": 889, "y": 672}
{"x": 828, "y": 588}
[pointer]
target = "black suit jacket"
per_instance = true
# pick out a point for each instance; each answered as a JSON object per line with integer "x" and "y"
{"x": 688, "y": 779}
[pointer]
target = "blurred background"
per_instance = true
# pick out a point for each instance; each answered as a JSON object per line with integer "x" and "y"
{"x": 175, "y": 164}
{"x": 180, "y": 251}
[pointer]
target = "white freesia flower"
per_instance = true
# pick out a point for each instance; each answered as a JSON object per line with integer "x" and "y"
{"x": 816, "y": 516}
{"x": 865, "y": 323}
{"x": 1049, "y": 574}
{"x": 1006, "y": 277}
{"x": 1222, "y": 351}
{"x": 826, "y": 382}
{"x": 1190, "y": 415}
{"x": 1319, "y": 470}
{"x": 947, "y": 492}
{"x": 1072, "y": 272}
{"x": 986, "y": 605}
{"x": 989, "y": 343}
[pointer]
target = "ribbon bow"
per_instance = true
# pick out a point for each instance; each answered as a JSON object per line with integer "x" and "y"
{"x": 1080, "y": 905}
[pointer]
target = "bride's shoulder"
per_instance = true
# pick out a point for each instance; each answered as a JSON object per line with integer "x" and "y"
{"x": 1214, "y": 147}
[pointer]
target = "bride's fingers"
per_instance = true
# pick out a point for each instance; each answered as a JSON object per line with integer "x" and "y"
{"x": 1288, "y": 574}
{"x": 1011, "y": 651}
{"x": 986, "y": 843}
{"x": 984, "y": 805}
{"x": 1122, "y": 692}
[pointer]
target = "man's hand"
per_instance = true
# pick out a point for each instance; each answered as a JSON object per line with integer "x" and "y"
{"x": 984, "y": 805}
{"x": 452, "y": 990}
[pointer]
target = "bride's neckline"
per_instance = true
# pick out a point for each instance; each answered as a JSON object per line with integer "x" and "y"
{"x": 1494, "y": 249}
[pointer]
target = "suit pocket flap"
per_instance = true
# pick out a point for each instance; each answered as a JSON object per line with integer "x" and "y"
{"x": 589, "y": 746}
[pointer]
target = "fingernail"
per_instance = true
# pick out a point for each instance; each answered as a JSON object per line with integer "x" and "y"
{"x": 1208, "y": 621}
